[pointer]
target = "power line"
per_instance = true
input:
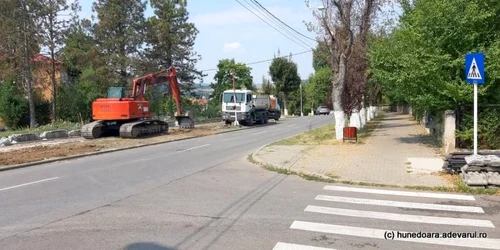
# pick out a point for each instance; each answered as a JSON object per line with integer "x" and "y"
{"x": 268, "y": 23}
{"x": 262, "y": 7}
{"x": 278, "y": 24}
{"x": 263, "y": 61}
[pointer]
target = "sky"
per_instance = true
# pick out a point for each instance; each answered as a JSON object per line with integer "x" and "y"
{"x": 239, "y": 29}
{"x": 229, "y": 30}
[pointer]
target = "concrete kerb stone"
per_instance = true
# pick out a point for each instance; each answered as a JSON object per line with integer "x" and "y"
{"x": 29, "y": 164}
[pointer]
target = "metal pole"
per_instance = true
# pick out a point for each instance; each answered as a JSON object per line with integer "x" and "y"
{"x": 475, "y": 118}
{"x": 301, "y": 111}
{"x": 234, "y": 97}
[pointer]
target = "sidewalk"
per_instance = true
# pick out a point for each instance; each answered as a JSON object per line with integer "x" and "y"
{"x": 397, "y": 153}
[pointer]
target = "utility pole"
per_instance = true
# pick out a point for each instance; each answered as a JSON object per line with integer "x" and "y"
{"x": 236, "y": 123}
{"x": 301, "y": 111}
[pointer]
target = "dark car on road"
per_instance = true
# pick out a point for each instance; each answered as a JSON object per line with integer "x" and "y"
{"x": 322, "y": 110}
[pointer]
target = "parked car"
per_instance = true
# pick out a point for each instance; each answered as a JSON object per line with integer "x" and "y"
{"x": 322, "y": 110}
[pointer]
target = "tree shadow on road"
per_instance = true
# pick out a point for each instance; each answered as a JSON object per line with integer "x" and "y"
{"x": 147, "y": 246}
{"x": 426, "y": 140}
{"x": 395, "y": 125}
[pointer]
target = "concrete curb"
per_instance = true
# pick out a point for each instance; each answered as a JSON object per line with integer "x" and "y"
{"x": 64, "y": 158}
{"x": 259, "y": 149}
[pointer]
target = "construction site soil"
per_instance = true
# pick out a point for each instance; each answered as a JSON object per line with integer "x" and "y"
{"x": 42, "y": 150}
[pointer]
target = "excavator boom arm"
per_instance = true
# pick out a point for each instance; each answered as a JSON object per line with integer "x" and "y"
{"x": 184, "y": 119}
{"x": 176, "y": 89}
{"x": 157, "y": 78}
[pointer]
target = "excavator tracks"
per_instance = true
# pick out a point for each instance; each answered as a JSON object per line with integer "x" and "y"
{"x": 143, "y": 128}
{"x": 98, "y": 129}
{"x": 93, "y": 130}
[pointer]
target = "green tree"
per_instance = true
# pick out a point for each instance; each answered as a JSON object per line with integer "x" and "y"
{"x": 421, "y": 61}
{"x": 53, "y": 36}
{"x": 320, "y": 57}
{"x": 119, "y": 34}
{"x": 268, "y": 87}
{"x": 171, "y": 38}
{"x": 284, "y": 74}
{"x": 224, "y": 79}
{"x": 319, "y": 88}
{"x": 20, "y": 34}
{"x": 13, "y": 106}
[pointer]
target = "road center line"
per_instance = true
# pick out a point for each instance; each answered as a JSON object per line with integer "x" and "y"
{"x": 414, "y": 205}
{"x": 29, "y": 183}
{"x": 193, "y": 148}
{"x": 400, "y": 193}
{"x": 261, "y": 132}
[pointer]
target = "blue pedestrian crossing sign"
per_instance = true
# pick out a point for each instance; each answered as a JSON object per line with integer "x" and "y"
{"x": 474, "y": 68}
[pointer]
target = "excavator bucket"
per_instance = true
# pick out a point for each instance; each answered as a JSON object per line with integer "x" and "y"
{"x": 185, "y": 120}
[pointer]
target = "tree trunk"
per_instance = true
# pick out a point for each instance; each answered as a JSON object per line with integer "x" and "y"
{"x": 53, "y": 73}
{"x": 27, "y": 68}
{"x": 337, "y": 91}
{"x": 285, "y": 110}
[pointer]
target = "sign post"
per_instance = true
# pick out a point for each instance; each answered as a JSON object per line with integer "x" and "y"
{"x": 474, "y": 74}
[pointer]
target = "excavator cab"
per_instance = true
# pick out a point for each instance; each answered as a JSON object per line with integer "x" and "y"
{"x": 116, "y": 92}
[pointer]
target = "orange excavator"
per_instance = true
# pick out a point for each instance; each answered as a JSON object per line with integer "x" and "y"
{"x": 130, "y": 117}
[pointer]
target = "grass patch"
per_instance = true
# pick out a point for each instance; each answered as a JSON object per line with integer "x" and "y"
{"x": 55, "y": 126}
{"x": 459, "y": 186}
{"x": 321, "y": 135}
{"x": 325, "y": 135}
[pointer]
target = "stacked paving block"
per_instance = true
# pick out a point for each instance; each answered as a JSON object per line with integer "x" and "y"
{"x": 481, "y": 170}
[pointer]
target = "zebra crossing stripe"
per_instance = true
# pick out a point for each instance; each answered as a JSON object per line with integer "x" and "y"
{"x": 288, "y": 246}
{"x": 383, "y": 234}
{"x": 427, "y": 206}
{"x": 400, "y": 217}
{"x": 400, "y": 193}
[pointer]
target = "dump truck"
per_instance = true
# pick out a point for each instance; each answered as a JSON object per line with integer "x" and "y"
{"x": 248, "y": 109}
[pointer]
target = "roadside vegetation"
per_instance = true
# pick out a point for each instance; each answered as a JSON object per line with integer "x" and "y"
{"x": 321, "y": 135}
{"x": 325, "y": 135}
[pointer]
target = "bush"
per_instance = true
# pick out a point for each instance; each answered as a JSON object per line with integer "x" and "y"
{"x": 488, "y": 129}
{"x": 13, "y": 106}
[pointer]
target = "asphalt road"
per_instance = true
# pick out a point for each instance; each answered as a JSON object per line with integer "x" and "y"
{"x": 203, "y": 194}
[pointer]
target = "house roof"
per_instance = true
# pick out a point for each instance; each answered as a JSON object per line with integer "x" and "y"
{"x": 43, "y": 59}
{"x": 40, "y": 58}
{"x": 199, "y": 101}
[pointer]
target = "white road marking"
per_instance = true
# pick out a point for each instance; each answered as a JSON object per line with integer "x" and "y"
{"x": 288, "y": 246}
{"x": 261, "y": 132}
{"x": 193, "y": 148}
{"x": 400, "y": 217}
{"x": 400, "y": 193}
{"x": 486, "y": 243}
{"x": 292, "y": 125}
{"x": 29, "y": 183}
{"x": 469, "y": 209}
{"x": 232, "y": 139}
